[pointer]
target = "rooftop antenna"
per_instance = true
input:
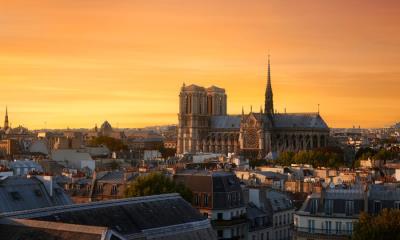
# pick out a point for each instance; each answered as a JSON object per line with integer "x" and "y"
{"x": 285, "y": 110}
{"x": 318, "y": 108}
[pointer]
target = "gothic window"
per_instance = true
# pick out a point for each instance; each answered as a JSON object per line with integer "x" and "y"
{"x": 186, "y": 104}
{"x": 251, "y": 138}
{"x": 200, "y": 107}
{"x": 190, "y": 103}
{"x": 209, "y": 105}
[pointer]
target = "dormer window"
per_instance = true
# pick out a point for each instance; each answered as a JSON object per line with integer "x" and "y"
{"x": 114, "y": 190}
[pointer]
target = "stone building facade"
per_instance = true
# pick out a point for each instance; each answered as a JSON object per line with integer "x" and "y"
{"x": 205, "y": 126}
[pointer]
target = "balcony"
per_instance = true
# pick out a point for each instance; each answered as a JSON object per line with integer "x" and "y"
{"x": 225, "y": 223}
{"x": 320, "y": 233}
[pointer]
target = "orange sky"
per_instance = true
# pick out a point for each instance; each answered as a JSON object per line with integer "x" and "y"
{"x": 77, "y": 63}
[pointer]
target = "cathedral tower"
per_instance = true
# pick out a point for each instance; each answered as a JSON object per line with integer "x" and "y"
{"x": 269, "y": 97}
{"x": 6, "y": 124}
{"x": 196, "y": 106}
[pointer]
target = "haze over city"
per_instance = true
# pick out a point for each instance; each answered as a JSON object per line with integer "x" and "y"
{"x": 77, "y": 63}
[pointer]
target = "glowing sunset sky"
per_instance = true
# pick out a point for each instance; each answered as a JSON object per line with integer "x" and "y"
{"x": 79, "y": 62}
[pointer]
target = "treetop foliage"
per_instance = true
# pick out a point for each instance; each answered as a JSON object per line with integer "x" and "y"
{"x": 384, "y": 226}
{"x": 111, "y": 143}
{"x": 157, "y": 183}
{"x": 317, "y": 158}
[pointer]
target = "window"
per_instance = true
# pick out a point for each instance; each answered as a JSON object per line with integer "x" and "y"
{"x": 397, "y": 205}
{"x": 15, "y": 195}
{"x": 314, "y": 206}
{"x": 220, "y": 233}
{"x": 338, "y": 227}
{"x": 349, "y": 227}
{"x": 349, "y": 208}
{"x": 262, "y": 236}
{"x": 205, "y": 215}
{"x": 219, "y": 216}
{"x": 276, "y": 221}
{"x": 377, "y": 206}
{"x": 311, "y": 225}
{"x": 328, "y": 207}
{"x": 267, "y": 235}
{"x": 196, "y": 199}
{"x": 205, "y": 200}
{"x": 114, "y": 190}
{"x": 99, "y": 188}
{"x": 284, "y": 219}
{"x": 328, "y": 227}
{"x": 280, "y": 220}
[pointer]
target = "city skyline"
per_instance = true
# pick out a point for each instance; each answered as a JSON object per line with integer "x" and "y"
{"x": 125, "y": 62}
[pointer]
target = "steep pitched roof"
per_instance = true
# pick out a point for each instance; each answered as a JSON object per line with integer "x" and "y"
{"x": 20, "y": 193}
{"x": 15, "y": 229}
{"x": 299, "y": 120}
{"x": 157, "y": 216}
{"x": 225, "y": 122}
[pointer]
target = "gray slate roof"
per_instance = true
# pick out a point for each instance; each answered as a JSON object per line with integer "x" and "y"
{"x": 115, "y": 177}
{"x": 278, "y": 201}
{"x": 21, "y": 193}
{"x": 299, "y": 120}
{"x": 280, "y": 120}
{"x": 225, "y": 122}
{"x": 157, "y": 216}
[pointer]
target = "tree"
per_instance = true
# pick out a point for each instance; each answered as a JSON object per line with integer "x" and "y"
{"x": 167, "y": 152}
{"x": 113, "y": 144}
{"x": 157, "y": 183}
{"x": 323, "y": 157}
{"x": 384, "y": 226}
{"x": 114, "y": 165}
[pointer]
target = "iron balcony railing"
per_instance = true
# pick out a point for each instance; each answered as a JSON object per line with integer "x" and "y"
{"x": 323, "y": 231}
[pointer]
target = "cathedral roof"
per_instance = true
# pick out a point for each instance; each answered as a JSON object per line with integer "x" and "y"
{"x": 226, "y": 122}
{"x": 299, "y": 120}
{"x": 215, "y": 89}
{"x": 193, "y": 87}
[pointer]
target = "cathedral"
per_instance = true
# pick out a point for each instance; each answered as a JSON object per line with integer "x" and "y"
{"x": 205, "y": 126}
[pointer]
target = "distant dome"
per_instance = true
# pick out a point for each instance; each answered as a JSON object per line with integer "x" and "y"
{"x": 106, "y": 128}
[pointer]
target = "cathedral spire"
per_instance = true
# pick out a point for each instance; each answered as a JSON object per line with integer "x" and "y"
{"x": 269, "y": 100}
{"x": 6, "y": 126}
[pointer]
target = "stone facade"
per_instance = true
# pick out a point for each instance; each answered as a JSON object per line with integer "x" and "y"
{"x": 205, "y": 126}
